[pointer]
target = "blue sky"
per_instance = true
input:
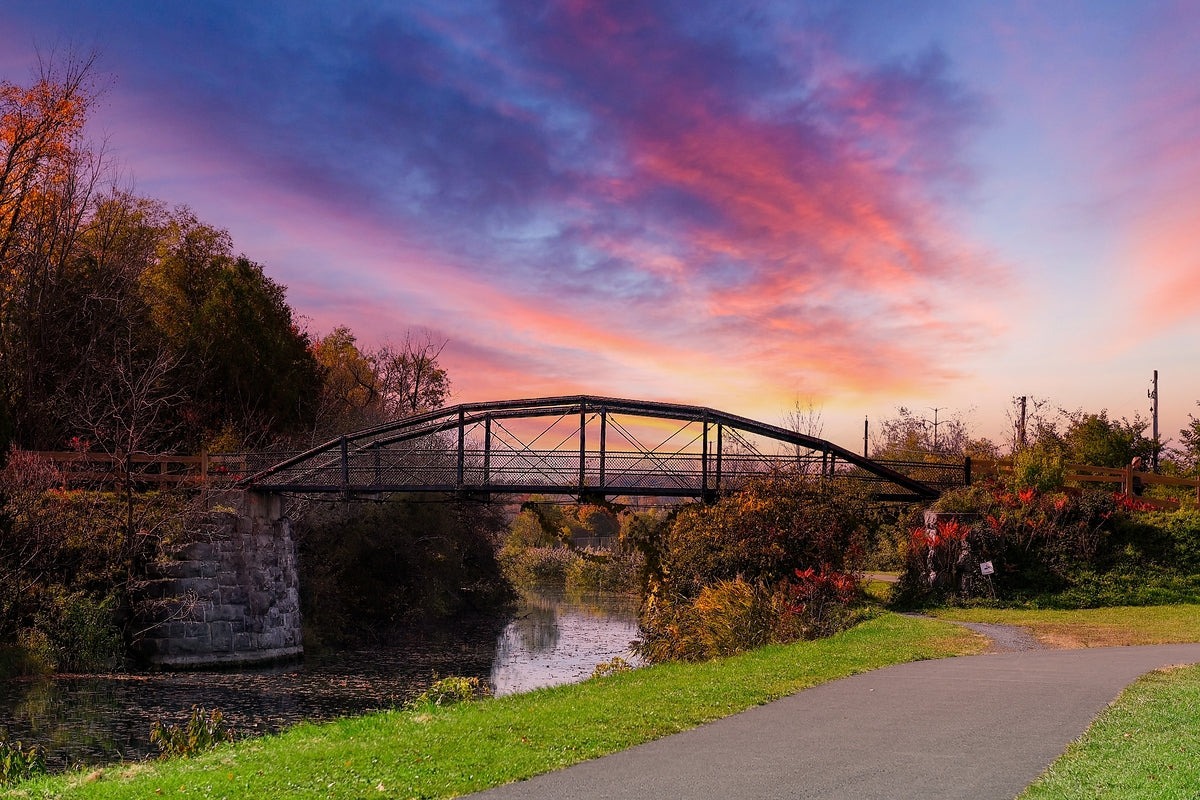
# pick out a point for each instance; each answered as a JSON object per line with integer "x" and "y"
{"x": 858, "y": 205}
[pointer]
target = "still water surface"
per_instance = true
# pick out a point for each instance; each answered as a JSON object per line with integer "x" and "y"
{"x": 95, "y": 719}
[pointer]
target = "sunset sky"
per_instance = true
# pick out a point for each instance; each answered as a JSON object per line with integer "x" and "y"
{"x": 856, "y": 205}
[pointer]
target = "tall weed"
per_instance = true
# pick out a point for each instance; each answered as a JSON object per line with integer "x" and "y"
{"x": 203, "y": 731}
{"x": 19, "y": 763}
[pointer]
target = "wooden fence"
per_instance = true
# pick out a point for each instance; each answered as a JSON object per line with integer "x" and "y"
{"x": 92, "y": 469}
{"x": 1122, "y": 477}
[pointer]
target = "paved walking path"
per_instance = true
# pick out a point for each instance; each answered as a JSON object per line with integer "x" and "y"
{"x": 973, "y": 727}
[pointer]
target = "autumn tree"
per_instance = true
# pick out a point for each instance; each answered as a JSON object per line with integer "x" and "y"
{"x": 364, "y": 387}
{"x": 254, "y": 376}
{"x": 48, "y": 180}
{"x": 350, "y": 392}
{"x": 41, "y": 133}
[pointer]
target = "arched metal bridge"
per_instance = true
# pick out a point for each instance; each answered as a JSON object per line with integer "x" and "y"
{"x": 583, "y": 446}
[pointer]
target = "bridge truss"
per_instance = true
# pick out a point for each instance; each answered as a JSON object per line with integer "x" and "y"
{"x": 582, "y": 446}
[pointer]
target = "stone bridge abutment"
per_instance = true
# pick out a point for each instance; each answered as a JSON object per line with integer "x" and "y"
{"x": 230, "y": 596}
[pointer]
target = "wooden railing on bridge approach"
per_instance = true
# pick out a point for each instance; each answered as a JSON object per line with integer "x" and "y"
{"x": 1122, "y": 477}
{"x": 91, "y": 469}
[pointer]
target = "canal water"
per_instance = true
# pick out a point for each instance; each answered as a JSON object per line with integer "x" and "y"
{"x": 550, "y": 639}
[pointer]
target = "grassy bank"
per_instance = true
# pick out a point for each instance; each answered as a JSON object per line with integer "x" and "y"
{"x": 444, "y": 752}
{"x": 1093, "y": 627}
{"x": 1143, "y": 746}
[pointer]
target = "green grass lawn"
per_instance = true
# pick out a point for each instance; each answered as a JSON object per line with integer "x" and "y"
{"x": 444, "y": 752}
{"x": 1145, "y": 746}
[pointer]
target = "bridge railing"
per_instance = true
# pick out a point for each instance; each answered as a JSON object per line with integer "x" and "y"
{"x": 532, "y": 470}
{"x": 484, "y": 447}
{"x": 411, "y": 467}
{"x": 941, "y": 475}
{"x": 91, "y": 469}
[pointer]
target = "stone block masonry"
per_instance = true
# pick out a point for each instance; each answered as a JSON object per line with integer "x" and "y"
{"x": 230, "y": 597}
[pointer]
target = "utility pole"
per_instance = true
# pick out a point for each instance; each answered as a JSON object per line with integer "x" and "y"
{"x": 1021, "y": 428}
{"x": 935, "y": 425}
{"x": 866, "y": 423}
{"x": 1153, "y": 395}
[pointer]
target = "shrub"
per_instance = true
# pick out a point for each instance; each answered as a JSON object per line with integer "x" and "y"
{"x": 1038, "y": 469}
{"x": 447, "y": 691}
{"x": 77, "y": 634}
{"x": 1072, "y": 548}
{"x": 203, "y": 731}
{"x": 1182, "y": 533}
{"x": 18, "y": 763}
{"x": 614, "y": 667}
{"x": 771, "y": 563}
{"x": 537, "y": 566}
{"x": 593, "y": 571}
{"x": 763, "y": 534}
{"x": 1143, "y": 586}
{"x": 821, "y": 601}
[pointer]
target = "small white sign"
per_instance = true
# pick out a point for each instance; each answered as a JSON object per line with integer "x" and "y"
{"x": 986, "y": 568}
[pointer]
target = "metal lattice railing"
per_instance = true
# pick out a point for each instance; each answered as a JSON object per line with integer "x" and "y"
{"x": 574, "y": 445}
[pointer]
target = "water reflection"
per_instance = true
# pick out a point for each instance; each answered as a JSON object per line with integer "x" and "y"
{"x": 556, "y": 639}
{"x": 94, "y": 719}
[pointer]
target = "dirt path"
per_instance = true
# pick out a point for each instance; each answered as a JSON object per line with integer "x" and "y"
{"x": 1004, "y": 638}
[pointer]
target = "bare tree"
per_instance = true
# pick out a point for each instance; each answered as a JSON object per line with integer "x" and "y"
{"x": 806, "y": 420}
{"x": 909, "y": 437}
{"x": 1035, "y": 425}
{"x": 412, "y": 379}
{"x": 131, "y": 410}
